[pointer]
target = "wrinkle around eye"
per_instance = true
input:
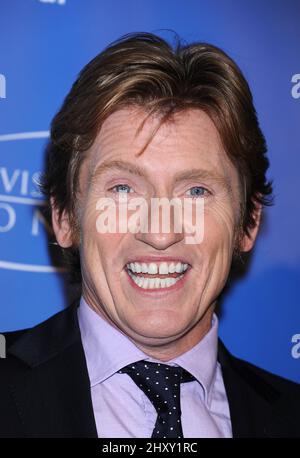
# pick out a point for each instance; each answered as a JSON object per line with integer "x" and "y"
{"x": 120, "y": 185}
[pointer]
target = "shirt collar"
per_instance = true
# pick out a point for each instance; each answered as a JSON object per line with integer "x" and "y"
{"x": 107, "y": 350}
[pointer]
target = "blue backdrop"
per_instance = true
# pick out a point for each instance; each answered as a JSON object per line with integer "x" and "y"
{"x": 44, "y": 44}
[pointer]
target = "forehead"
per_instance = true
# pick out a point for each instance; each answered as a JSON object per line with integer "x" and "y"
{"x": 188, "y": 139}
{"x": 120, "y": 130}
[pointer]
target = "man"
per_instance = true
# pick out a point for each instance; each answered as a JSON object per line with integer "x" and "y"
{"x": 140, "y": 356}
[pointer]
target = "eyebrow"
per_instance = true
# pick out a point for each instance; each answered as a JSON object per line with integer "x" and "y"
{"x": 201, "y": 174}
{"x": 118, "y": 165}
{"x": 134, "y": 169}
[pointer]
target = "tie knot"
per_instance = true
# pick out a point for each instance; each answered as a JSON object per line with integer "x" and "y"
{"x": 150, "y": 370}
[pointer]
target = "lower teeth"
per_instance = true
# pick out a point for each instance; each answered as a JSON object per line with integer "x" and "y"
{"x": 154, "y": 283}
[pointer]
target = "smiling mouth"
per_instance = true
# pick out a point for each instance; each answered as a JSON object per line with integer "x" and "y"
{"x": 156, "y": 276}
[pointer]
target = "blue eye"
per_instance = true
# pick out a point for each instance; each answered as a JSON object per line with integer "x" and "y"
{"x": 198, "y": 191}
{"x": 122, "y": 188}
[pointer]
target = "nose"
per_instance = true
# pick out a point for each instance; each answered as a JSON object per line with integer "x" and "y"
{"x": 164, "y": 225}
{"x": 159, "y": 241}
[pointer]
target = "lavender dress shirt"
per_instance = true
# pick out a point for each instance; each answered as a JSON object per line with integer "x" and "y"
{"x": 122, "y": 410}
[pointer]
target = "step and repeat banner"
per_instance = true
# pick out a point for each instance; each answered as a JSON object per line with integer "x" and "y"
{"x": 43, "y": 46}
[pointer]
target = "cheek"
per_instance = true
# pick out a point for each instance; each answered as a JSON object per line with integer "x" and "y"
{"x": 100, "y": 251}
{"x": 221, "y": 221}
{"x": 93, "y": 243}
{"x": 215, "y": 252}
{"x": 219, "y": 234}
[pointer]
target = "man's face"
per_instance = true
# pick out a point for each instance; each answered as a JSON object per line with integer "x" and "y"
{"x": 184, "y": 159}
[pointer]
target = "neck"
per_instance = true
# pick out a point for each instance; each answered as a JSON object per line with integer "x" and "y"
{"x": 181, "y": 345}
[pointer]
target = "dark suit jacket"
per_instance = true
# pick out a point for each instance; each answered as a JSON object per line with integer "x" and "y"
{"x": 45, "y": 390}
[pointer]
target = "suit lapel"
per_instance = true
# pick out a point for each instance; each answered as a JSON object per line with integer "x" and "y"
{"x": 257, "y": 409}
{"x": 52, "y": 393}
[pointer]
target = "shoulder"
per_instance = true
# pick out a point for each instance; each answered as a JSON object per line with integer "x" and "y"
{"x": 263, "y": 382}
{"x": 281, "y": 384}
{"x": 261, "y": 403}
{"x": 38, "y": 343}
{"x": 244, "y": 367}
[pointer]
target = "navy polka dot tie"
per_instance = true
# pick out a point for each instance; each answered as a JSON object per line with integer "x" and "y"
{"x": 161, "y": 384}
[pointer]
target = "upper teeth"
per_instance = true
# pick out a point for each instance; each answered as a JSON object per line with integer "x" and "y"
{"x": 160, "y": 268}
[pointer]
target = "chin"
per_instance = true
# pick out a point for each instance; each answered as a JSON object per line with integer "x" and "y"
{"x": 158, "y": 327}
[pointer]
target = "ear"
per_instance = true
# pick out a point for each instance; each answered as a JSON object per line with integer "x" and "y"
{"x": 247, "y": 241}
{"x": 61, "y": 227}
